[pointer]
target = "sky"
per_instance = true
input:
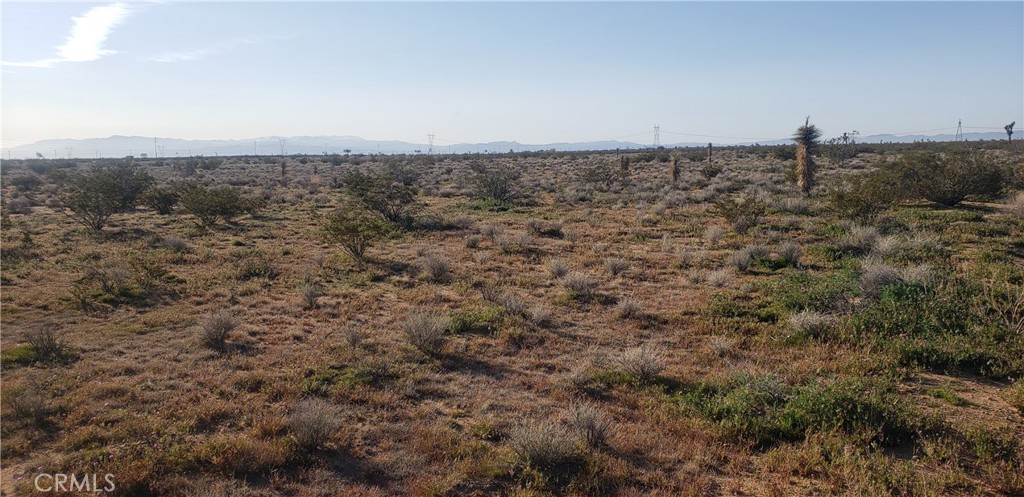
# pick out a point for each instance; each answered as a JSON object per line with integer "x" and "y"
{"x": 534, "y": 72}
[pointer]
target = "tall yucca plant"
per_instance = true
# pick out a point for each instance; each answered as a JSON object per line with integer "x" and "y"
{"x": 806, "y": 138}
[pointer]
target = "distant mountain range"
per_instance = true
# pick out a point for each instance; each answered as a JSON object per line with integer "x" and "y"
{"x": 120, "y": 146}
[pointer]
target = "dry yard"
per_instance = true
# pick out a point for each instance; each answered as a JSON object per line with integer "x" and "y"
{"x": 606, "y": 333}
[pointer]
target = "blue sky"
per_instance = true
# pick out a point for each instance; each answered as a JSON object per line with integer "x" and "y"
{"x": 532, "y": 72}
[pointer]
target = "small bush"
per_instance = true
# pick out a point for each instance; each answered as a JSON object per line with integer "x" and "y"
{"x": 543, "y": 444}
{"x": 740, "y": 260}
{"x": 161, "y": 200}
{"x": 385, "y": 195}
{"x": 590, "y": 424}
{"x": 717, "y": 278}
{"x": 311, "y": 291}
{"x": 809, "y": 324}
{"x": 216, "y": 328}
{"x": 791, "y": 253}
{"x": 875, "y": 276}
{"x": 952, "y": 176}
{"x": 436, "y": 268}
{"x": 616, "y": 266}
{"x": 557, "y": 268}
{"x": 48, "y": 344}
{"x": 214, "y": 205}
{"x": 580, "y": 286}
{"x": 24, "y": 404}
{"x": 641, "y": 363}
{"x": 497, "y": 182}
{"x": 313, "y": 422}
{"x": 425, "y": 331}
{"x": 176, "y": 244}
{"x": 628, "y": 309}
{"x": 355, "y": 230}
{"x": 742, "y": 214}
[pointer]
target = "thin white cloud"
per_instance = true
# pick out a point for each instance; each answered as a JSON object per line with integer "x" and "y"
{"x": 202, "y": 53}
{"x": 88, "y": 34}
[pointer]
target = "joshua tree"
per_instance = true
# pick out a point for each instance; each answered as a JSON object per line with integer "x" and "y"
{"x": 806, "y": 138}
{"x": 1009, "y": 131}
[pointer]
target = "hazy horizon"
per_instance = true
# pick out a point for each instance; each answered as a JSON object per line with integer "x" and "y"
{"x": 526, "y": 72}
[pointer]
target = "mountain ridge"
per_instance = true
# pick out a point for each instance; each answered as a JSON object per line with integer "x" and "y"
{"x": 124, "y": 145}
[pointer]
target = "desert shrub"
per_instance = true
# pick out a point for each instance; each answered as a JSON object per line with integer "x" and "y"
{"x": 385, "y": 196}
{"x": 497, "y": 182}
{"x": 717, "y": 278}
{"x": 1015, "y": 204}
{"x": 131, "y": 180}
{"x": 312, "y": 422}
{"x": 641, "y": 363}
{"x": 543, "y": 444}
{"x": 24, "y": 404}
{"x": 616, "y": 266}
{"x": 792, "y": 206}
{"x": 48, "y": 344}
{"x": 580, "y": 286}
{"x": 213, "y": 205}
{"x": 840, "y": 149}
{"x": 858, "y": 241}
{"x": 952, "y": 176}
{"x": 628, "y": 309}
{"x": 808, "y": 324}
{"x": 436, "y": 268}
{"x": 311, "y": 291}
{"x": 864, "y": 196}
{"x": 711, "y": 169}
{"x": 791, "y": 253}
{"x": 161, "y": 200}
{"x": 492, "y": 231}
{"x": 254, "y": 263}
{"x": 742, "y": 214}
{"x": 590, "y": 424}
{"x": 875, "y": 276}
{"x": 355, "y": 230}
{"x": 25, "y": 182}
{"x": 740, "y": 259}
{"x": 425, "y": 331}
{"x": 176, "y": 244}
{"x": 557, "y": 268}
{"x": 215, "y": 329}
{"x": 92, "y": 197}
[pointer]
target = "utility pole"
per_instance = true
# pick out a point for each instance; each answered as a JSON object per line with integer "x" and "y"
{"x": 657, "y": 136}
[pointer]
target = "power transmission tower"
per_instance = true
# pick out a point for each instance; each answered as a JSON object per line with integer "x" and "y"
{"x": 959, "y": 131}
{"x": 657, "y": 136}
{"x": 430, "y": 143}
